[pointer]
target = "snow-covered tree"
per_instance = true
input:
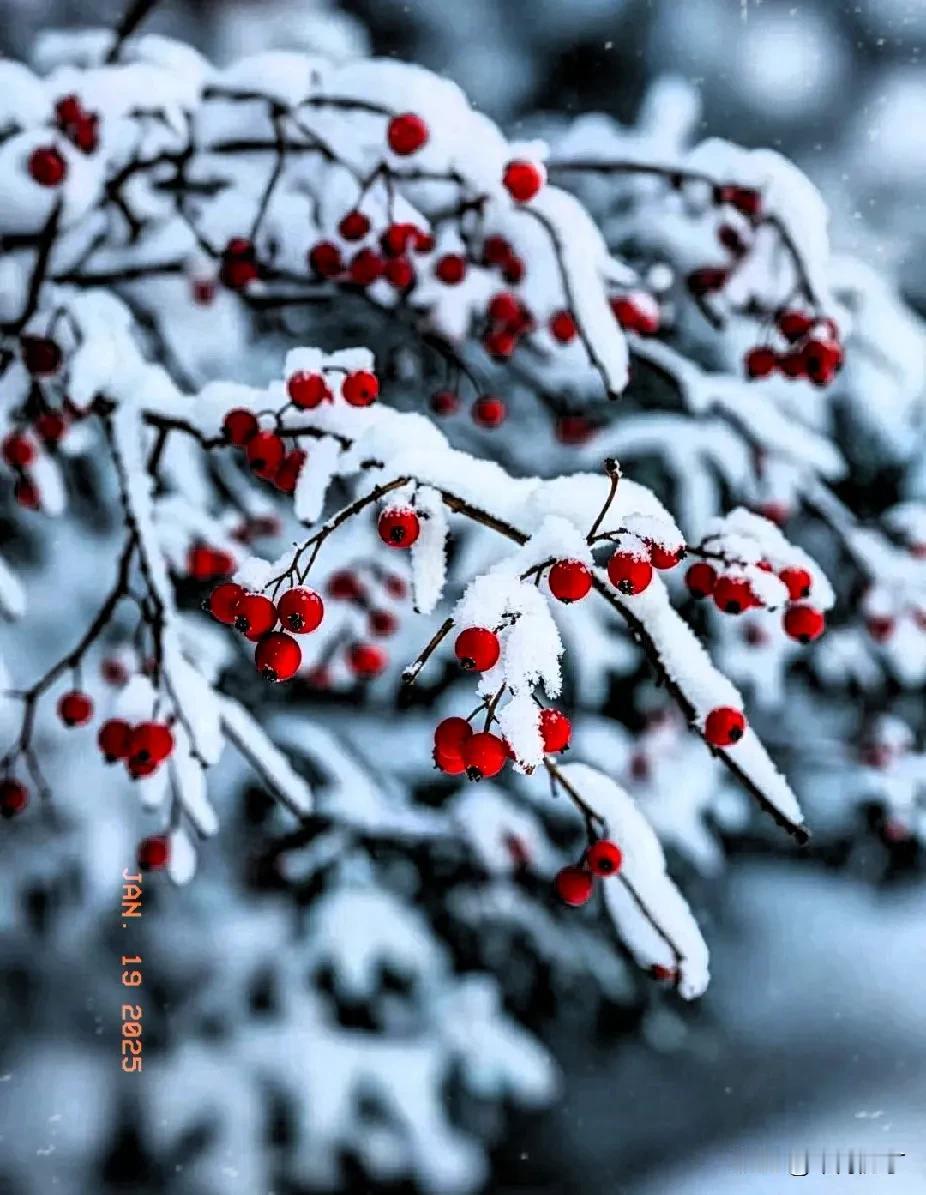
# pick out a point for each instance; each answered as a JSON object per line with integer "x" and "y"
{"x": 452, "y": 551}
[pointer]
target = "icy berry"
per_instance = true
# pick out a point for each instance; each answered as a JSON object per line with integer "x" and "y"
{"x": 75, "y": 708}
{"x": 360, "y": 388}
{"x": 265, "y": 452}
{"x": 489, "y": 411}
{"x": 701, "y": 579}
{"x": 637, "y": 312}
{"x": 14, "y": 797}
{"x": 325, "y": 259}
{"x": 354, "y": 226}
{"x": 451, "y": 268}
{"x": 724, "y": 726}
{"x": 153, "y": 854}
{"x": 604, "y": 857}
{"x": 398, "y": 528}
{"x": 240, "y": 426}
{"x": 629, "y": 573}
{"x": 301, "y": 610}
{"x": 239, "y": 264}
{"x": 663, "y": 558}
{"x": 821, "y": 359}
{"x": 499, "y": 343}
{"x": 798, "y": 581}
{"x": 399, "y": 273}
{"x": 255, "y": 615}
{"x": 733, "y": 595}
{"x": 477, "y": 649}
{"x": 150, "y": 744}
{"x": 41, "y": 355}
{"x": 445, "y": 402}
{"x": 278, "y": 657}
{"x": 366, "y": 660}
{"x": 484, "y": 755}
{"x": 794, "y": 325}
{"x": 286, "y": 477}
{"x": 406, "y": 134}
{"x": 505, "y": 308}
{"x": 803, "y": 623}
{"x": 563, "y": 327}
{"x": 366, "y": 267}
{"x": 307, "y": 390}
{"x": 47, "y": 166}
{"x": 223, "y": 602}
{"x": 555, "y": 730}
{"x": 522, "y": 180}
{"x": 114, "y": 738}
{"x": 759, "y": 362}
{"x": 18, "y": 450}
{"x": 574, "y": 886}
{"x": 570, "y": 580}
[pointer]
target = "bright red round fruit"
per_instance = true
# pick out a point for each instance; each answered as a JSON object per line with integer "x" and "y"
{"x": 484, "y": 755}
{"x": 499, "y": 343}
{"x": 223, "y": 602}
{"x": 240, "y": 426}
{"x": 570, "y": 580}
{"x": 477, "y": 649}
{"x": 451, "y": 734}
{"x": 345, "y": 586}
{"x": 366, "y": 267}
{"x": 301, "y": 610}
{"x": 383, "y": 623}
{"x": 153, "y": 854}
{"x": 733, "y": 595}
{"x": 505, "y": 308}
{"x": 489, "y": 411}
{"x": 366, "y": 660}
{"x": 18, "y": 450}
{"x": 47, "y": 166}
{"x": 662, "y": 558}
{"x": 522, "y": 180}
{"x": 794, "y": 325}
{"x": 629, "y": 574}
{"x": 724, "y": 726}
{"x": 255, "y": 615}
{"x": 114, "y": 738}
{"x": 450, "y": 762}
{"x": 307, "y": 390}
{"x": 495, "y": 250}
{"x": 150, "y": 744}
{"x": 286, "y": 477}
{"x": 604, "y": 857}
{"x": 563, "y": 327}
{"x": 451, "y": 268}
{"x": 360, "y": 388}
{"x": 325, "y": 259}
{"x": 399, "y": 273}
{"x": 406, "y": 134}
{"x": 265, "y": 452}
{"x": 760, "y": 362}
{"x": 75, "y": 708}
{"x": 26, "y": 494}
{"x": 555, "y": 730}
{"x": 574, "y": 886}
{"x": 354, "y": 226}
{"x": 50, "y": 426}
{"x": 798, "y": 581}
{"x": 278, "y": 657}
{"x": 398, "y": 528}
{"x": 804, "y": 623}
{"x": 701, "y": 579}
{"x": 14, "y": 797}
{"x": 445, "y": 402}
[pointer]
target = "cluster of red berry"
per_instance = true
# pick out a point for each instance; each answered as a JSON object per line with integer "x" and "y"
{"x": 42, "y": 358}
{"x": 266, "y": 452}
{"x": 299, "y": 610}
{"x": 142, "y": 747}
{"x": 734, "y": 594}
{"x": 812, "y": 350}
{"x": 481, "y": 755}
{"x": 487, "y": 411}
{"x": 204, "y": 563}
{"x": 735, "y": 239}
{"x": 574, "y": 884}
{"x": 47, "y": 165}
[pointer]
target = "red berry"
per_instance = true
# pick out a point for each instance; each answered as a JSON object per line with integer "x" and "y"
{"x": 733, "y": 595}
{"x": 265, "y": 452}
{"x": 449, "y": 762}
{"x": 803, "y": 623}
{"x": 397, "y": 239}
{"x": 395, "y": 586}
{"x": 360, "y": 388}
{"x": 724, "y": 726}
{"x": 383, "y": 623}
{"x": 114, "y": 739}
{"x": 344, "y": 586}
{"x": 278, "y": 657}
{"x": 792, "y": 364}
{"x": 880, "y": 628}
{"x": 153, "y": 854}
{"x": 451, "y": 268}
{"x": 75, "y": 708}
{"x": 489, "y": 411}
{"x": 731, "y": 239}
{"x": 199, "y": 563}
{"x": 604, "y": 857}
{"x": 570, "y": 580}
{"x": 85, "y": 133}
{"x": 574, "y": 886}
{"x": 223, "y": 602}
{"x": 239, "y": 264}
{"x": 522, "y": 180}
{"x": 451, "y": 734}
{"x": 505, "y": 308}
{"x": 663, "y": 559}
{"x": 26, "y": 494}
{"x": 399, "y": 273}
{"x": 307, "y": 390}
{"x": 746, "y": 200}
{"x": 406, "y": 134}
{"x": 484, "y": 755}
{"x": 563, "y": 327}
{"x": 68, "y": 110}
{"x": 41, "y": 355}
{"x": 707, "y": 280}
{"x": 499, "y": 343}
{"x": 701, "y": 579}
{"x": 51, "y": 426}
{"x": 798, "y": 581}
{"x": 794, "y": 325}
{"x": 325, "y": 259}
{"x": 445, "y": 402}
{"x": 301, "y": 610}
{"x": 18, "y": 450}
{"x": 398, "y": 528}
{"x": 47, "y": 166}
{"x": 821, "y": 358}
{"x": 759, "y": 362}
{"x": 366, "y": 660}
{"x": 287, "y": 475}
{"x": 629, "y": 573}
{"x": 255, "y": 615}
{"x": 495, "y": 251}
{"x": 514, "y": 270}
{"x": 240, "y": 426}
{"x": 14, "y": 797}
{"x": 555, "y": 730}
{"x": 354, "y": 226}
{"x": 574, "y": 429}
{"x": 637, "y": 312}
{"x": 477, "y": 649}
{"x": 150, "y": 744}
{"x": 366, "y": 267}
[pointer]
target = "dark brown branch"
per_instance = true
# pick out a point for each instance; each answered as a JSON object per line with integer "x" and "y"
{"x": 133, "y": 16}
